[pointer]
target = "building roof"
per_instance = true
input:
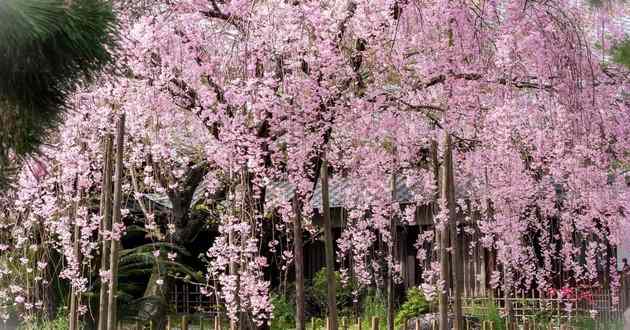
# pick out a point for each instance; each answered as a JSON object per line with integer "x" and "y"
{"x": 339, "y": 191}
{"x": 283, "y": 191}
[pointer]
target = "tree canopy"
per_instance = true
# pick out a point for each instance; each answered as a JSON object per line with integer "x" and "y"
{"x": 246, "y": 93}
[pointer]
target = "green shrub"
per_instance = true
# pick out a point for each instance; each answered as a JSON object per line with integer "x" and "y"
{"x": 318, "y": 290}
{"x": 283, "y": 313}
{"x": 60, "y": 322}
{"x": 587, "y": 323}
{"x": 373, "y": 305}
{"x": 415, "y": 305}
{"x": 489, "y": 311}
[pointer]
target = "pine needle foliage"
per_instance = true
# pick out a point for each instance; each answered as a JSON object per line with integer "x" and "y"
{"x": 47, "y": 47}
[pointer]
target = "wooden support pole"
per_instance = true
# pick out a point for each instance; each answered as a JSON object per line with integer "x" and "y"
{"x": 217, "y": 323}
{"x": 74, "y": 296}
{"x": 441, "y": 237}
{"x": 298, "y": 261}
{"x": 330, "y": 250}
{"x": 106, "y": 225}
{"x": 390, "y": 252}
{"x": 184, "y": 324}
{"x": 168, "y": 322}
{"x": 359, "y": 325}
{"x": 375, "y": 323}
{"x": 116, "y": 221}
{"x": 418, "y": 324}
{"x": 448, "y": 194}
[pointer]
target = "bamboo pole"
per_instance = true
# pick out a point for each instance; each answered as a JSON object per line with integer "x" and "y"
{"x": 116, "y": 220}
{"x": 106, "y": 225}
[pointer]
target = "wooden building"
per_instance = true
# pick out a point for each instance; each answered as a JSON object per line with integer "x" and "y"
{"x": 477, "y": 261}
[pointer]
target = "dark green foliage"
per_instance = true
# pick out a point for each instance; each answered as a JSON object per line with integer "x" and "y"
{"x": 140, "y": 260}
{"x": 488, "y": 310}
{"x": 318, "y": 290}
{"x": 415, "y": 305}
{"x": 621, "y": 53}
{"x": 136, "y": 265}
{"x": 46, "y": 48}
{"x": 283, "y": 312}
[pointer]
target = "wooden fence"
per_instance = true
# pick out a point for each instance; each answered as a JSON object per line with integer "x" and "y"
{"x": 188, "y": 323}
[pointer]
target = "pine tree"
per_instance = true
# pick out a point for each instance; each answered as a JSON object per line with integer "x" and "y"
{"x": 46, "y": 48}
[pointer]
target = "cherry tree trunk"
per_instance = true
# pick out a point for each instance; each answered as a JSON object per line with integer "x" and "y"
{"x": 448, "y": 193}
{"x": 116, "y": 220}
{"x": 390, "y": 275}
{"x": 106, "y": 225}
{"x": 330, "y": 252}
{"x": 298, "y": 252}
